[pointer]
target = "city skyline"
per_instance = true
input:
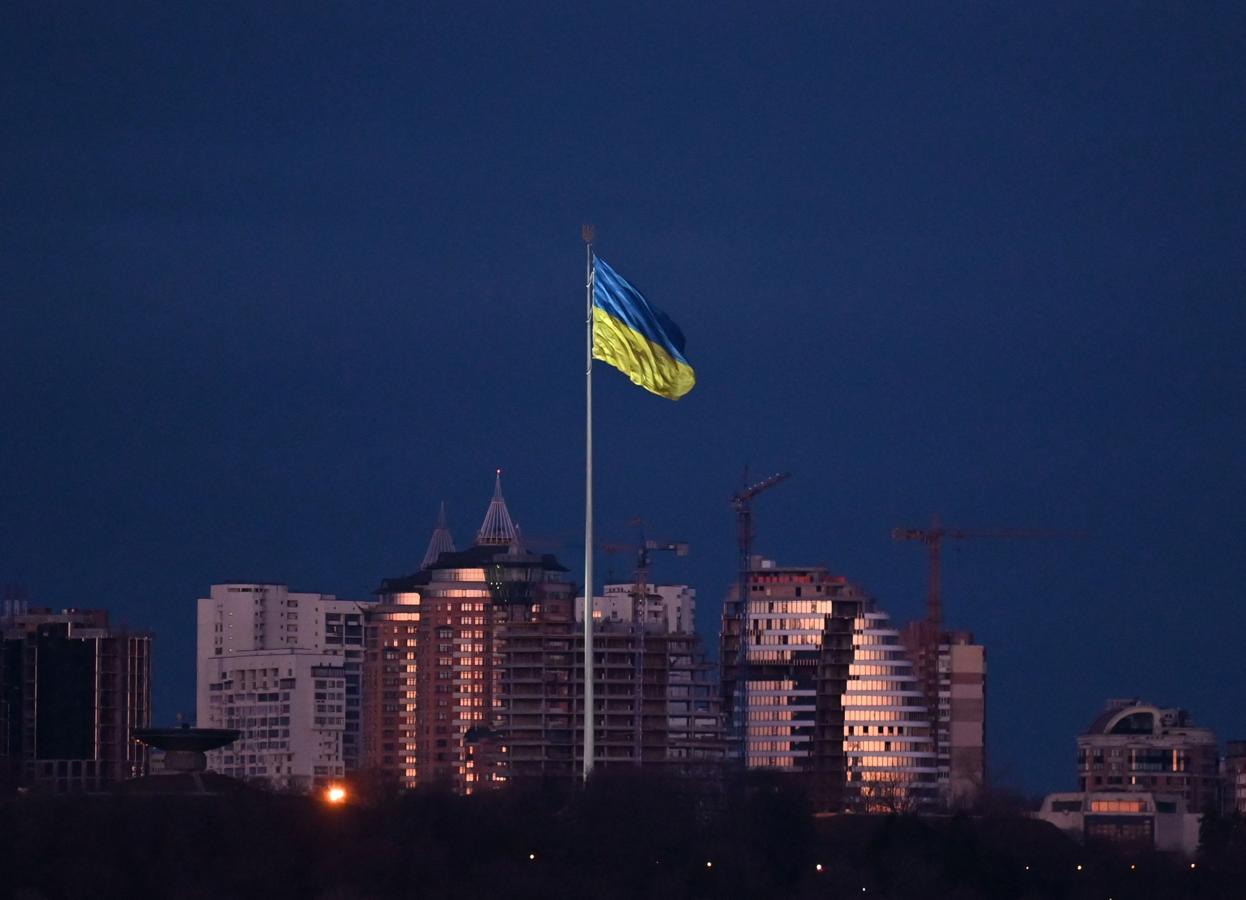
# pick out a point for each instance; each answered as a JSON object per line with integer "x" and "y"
{"x": 278, "y": 286}
{"x": 616, "y": 569}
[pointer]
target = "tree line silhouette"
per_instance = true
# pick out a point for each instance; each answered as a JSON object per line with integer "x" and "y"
{"x": 621, "y": 836}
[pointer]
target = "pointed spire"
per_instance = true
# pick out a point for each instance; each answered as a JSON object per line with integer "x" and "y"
{"x": 497, "y": 530}
{"x": 516, "y": 547}
{"x": 441, "y": 541}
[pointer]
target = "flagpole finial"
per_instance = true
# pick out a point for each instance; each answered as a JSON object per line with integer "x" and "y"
{"x": 588, "y": 232}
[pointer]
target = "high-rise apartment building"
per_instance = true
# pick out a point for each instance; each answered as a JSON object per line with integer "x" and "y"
{"x": 954, "y": 686}
{"x": 391, "y": 671}
{"x": 822, "y": 686}
{"x": 1134, "y": 746}
{"x": 286, "y": 669}
{"x": 655, "y": 701}
{"x": 72, "y": 689}
{"x": 391, "y": 688}
{"x": 474, "y": 673}
{"x": 890, "y": 759}
{"x": 436, "y": 646}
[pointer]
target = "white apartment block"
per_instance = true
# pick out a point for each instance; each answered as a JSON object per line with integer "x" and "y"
{"x": 667, "y": 608}
{"x": 284, "y": 668}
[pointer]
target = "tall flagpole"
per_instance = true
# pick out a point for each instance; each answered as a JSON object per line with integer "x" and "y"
{"x": 587, "y": 232}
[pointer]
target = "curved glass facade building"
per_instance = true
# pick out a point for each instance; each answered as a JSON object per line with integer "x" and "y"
{"x": 824, "y": 687}
{"x": 888, "y": 746}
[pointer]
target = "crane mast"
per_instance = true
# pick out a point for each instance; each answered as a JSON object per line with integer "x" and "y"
{"x": 930, "y": 630}
{"x": 933, "y": 537}
{"x": 640, "y": 596}
{"x": 742, "y": 503}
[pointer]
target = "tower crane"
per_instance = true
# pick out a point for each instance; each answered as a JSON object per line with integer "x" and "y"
{"x": 930, "y": 630}
{"x": 742, "y": 503}
{"x": 640, "y": 594}
{"x": 640, "y": 575}
{"x": 933, "y": 537}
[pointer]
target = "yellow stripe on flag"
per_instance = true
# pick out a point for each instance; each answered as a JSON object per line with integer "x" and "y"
{"x": 641, "y": 360}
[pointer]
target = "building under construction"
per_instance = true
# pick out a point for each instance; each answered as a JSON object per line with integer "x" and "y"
{"x": 435, "y": 648}
{"x": 822, "y": 687}
{"x": 655, "y": 701}
{"x": 474, "y": 674}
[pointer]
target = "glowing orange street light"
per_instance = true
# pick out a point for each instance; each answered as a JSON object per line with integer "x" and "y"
{"x": 335, "y": 795}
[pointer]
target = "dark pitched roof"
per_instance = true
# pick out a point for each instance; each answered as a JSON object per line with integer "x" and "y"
{"x": 476, "y": 556}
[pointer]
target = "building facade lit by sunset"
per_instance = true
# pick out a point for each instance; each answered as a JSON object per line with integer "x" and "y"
{"x": 474, "y": 674}
{"x": 888, "y": 733}
{"x": 436, "y": 645}
{"x": 390, "y": 688}
{"x": 825, "y": 689}
{"x": 1135, "y": 746}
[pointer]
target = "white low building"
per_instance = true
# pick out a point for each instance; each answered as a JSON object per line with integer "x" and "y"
{"x": 1139, "y": 818}
{"x": 285, "y": 669}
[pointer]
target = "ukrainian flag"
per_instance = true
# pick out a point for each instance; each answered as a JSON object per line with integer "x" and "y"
{"x": 636, "y": 337}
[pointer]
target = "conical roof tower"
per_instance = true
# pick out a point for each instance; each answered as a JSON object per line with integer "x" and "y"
{"x": 497, "y": 530}
{"x": 441, "y": 541}
{"x": 516, "y": 547}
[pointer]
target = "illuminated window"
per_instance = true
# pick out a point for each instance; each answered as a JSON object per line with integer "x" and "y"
{"x": 1118, "y": 806}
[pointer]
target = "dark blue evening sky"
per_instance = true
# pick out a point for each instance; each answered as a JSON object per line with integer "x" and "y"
{"x": 276, "y": 279}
